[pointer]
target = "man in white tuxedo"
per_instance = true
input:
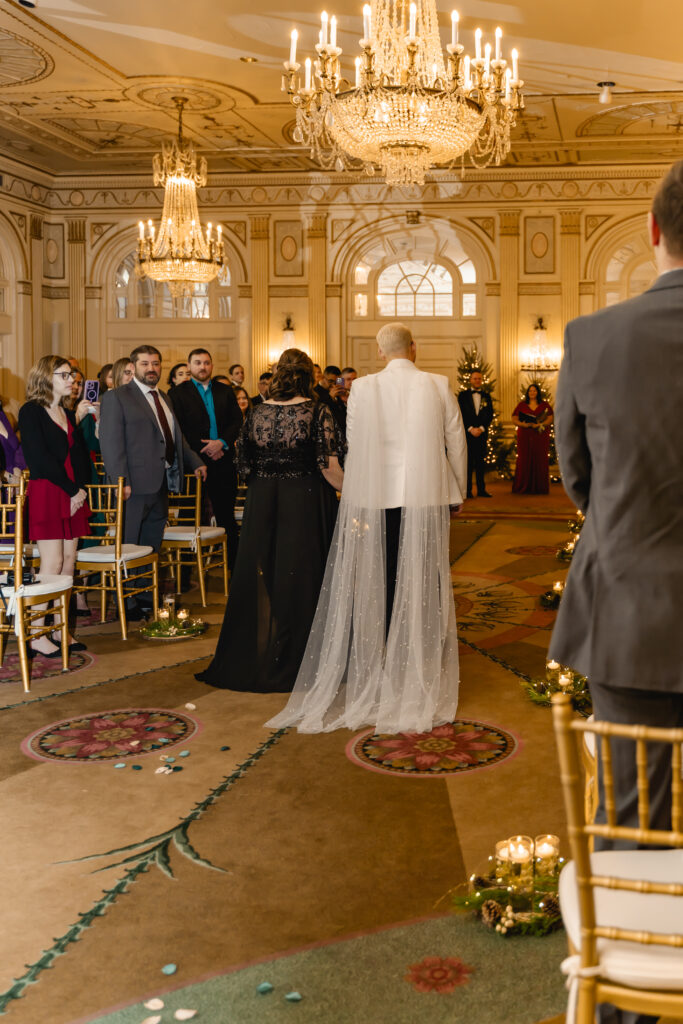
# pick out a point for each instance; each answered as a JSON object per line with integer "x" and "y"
{"x": 383, "y": 646}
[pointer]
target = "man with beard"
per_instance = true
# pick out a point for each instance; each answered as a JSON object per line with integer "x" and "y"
{"x": 210, "y": 419}
{"x": 141, "y": 441}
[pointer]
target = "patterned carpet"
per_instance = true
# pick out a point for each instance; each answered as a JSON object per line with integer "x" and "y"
{"x": 222, "y": 848}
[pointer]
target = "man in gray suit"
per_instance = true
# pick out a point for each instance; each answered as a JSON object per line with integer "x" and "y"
{"x": 620, "y": 444}
{"x": 141, "y": 441}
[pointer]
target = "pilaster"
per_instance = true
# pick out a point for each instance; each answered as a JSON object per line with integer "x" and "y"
{"x": 570, "y": 264}
{"x": 316, "y": 238}
{"x": 77, "y": 314}
{"x": 509, "y": 221}
{"x": 260, "y": 312}
{"x": 36, "y": 333}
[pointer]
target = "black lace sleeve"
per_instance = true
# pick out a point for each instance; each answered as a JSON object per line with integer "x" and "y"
{"x": 242, "y": 460}
{"x": 327, "y": 437}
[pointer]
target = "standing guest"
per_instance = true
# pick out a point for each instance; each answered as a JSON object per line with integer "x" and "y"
{"x": 328, "y": 390}
{"x": 263, "y": 382}
{"x": 620, "y": 447}
{"x": 178, "y": 375}
{"x": 105, "y": 378}
{"x": 236, "y": 374}
{"x": 317, "y": 374}
{"x": 72, "y": 400}
{"x": 210, "y": 418}
{"x": 532, "y": 417}
{"x": 142, "y": 442}
{"x": 222, "y": 379}
{"x": 243, "y": 401}
{"x": 12, "y": 461}
{"x": 349, "y": 375}
{"x": 286, "y": 446}
{"x": 122, "y": 372}
{"x": 383, "y": 647}
{"x": 60, "y": 469}
{"x": 476, "y": 408}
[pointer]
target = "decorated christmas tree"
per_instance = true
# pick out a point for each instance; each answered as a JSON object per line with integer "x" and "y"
{"x": 498, "y": 450}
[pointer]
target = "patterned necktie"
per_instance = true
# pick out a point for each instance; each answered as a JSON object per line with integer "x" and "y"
{"x": 170, "y": 447}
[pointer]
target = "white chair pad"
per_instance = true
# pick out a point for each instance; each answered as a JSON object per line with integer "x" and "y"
{"x": 107, "y": 553}
{"x": 30, "y": 550}
{"x": 631, "y": 963}
{"x": 56, "y": 584}
{"x": 183, "y": 533}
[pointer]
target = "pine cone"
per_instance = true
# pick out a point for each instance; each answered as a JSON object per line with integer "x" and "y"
{"x": 478, "y": 882}
{"x": 551, "y": 905}
{"x": 491, "y": 913}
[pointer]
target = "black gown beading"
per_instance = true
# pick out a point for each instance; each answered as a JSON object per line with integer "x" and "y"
{"x": 289, "y": 517}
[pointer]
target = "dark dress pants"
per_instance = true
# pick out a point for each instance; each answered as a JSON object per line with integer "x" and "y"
{"x": 145, "y": 517}
{"x": 392, "y": 533}
{"x": 221, "y": 483}
{"x": 630, "y": 707}
{"x": 476, "y": 461}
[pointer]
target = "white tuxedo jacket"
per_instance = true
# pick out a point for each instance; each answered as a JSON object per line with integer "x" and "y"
{"x": 408, "y": 439}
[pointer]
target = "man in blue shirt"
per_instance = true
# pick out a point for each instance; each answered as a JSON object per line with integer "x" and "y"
{"x": 210, "y": 419}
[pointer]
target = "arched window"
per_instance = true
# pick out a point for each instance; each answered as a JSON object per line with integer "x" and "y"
{"x": 414, "y": 288}
{"x": 630, "y": 271}
{"x": 136, "y": 298}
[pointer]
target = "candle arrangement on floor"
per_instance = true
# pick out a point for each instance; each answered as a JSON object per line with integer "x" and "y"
{"x": 560, "y": 679}
{"x": 172, "y": 625}
{"x": 565, "y": 552}
{"x": 518, "y": 895}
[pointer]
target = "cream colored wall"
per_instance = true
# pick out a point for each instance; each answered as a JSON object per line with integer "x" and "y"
{"x": 63, "y": 299}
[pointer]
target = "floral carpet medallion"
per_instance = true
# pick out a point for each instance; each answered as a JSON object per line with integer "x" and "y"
{"x": 41, "y": 668}
{"x": 438, "y": 974}
{"x": 485, "y": 605}
{"x": 107, "y": 735}
{"x": 458, "y": 746}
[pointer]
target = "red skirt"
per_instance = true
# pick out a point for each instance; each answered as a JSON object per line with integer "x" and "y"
{"x": 49, "y": 517}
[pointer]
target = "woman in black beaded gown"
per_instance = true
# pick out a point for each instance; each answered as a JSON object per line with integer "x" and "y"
{"x": 288, "y": 451}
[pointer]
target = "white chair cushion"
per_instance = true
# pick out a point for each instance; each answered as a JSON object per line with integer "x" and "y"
{"x": 56, "y": 584}
{"x": 107, "y": 553}
{"x": 188, "y": 534}
{"x": 30, "y": 550}
{"x": 631, "y": 963}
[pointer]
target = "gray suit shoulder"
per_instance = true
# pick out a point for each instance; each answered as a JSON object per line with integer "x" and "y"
{"x": 613, "y": 318}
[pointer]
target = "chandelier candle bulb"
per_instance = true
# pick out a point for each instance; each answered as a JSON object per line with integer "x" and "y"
{"x": 515, "y": 66}
{"x": 487, "y": 59}
{"x": 477, "y": 44}
{"x": 141, "y": 226}
{"x": 323, "y": 30}
{"x": 292, "y": 46}
{"x": 455, "y": 18}
{"x": 412, "y": 31}
{"x": 333, "y": 33}
{"x": 366, "y": 24}
{"x": 307, "y": 74}
{"x": 499, "y": 36}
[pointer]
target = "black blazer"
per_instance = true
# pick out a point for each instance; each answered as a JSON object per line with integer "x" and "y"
{"x": 194, "y": 419}
{"x": 470, "y": 418}
{"x": 46, "y": 446}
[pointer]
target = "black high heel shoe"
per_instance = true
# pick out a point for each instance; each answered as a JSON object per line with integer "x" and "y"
{"x": 33, "y": 653}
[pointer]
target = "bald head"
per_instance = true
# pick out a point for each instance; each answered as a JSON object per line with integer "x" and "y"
{"x": 395, "y": 341}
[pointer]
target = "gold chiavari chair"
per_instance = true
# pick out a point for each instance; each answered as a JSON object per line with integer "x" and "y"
{"x": 622, "y": 908}
{"x": 187, "y": 542}
{"x": 108, "y": 566}
{"x": 23, "y": 605}
{"x": 9, "y": 490}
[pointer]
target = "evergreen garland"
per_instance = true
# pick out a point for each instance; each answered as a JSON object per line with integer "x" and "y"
{"x": 498, "y": 450}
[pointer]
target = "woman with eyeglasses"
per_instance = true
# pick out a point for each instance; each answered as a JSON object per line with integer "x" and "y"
{"x": 59, "y": 465}
{"x": 122, "y": 372}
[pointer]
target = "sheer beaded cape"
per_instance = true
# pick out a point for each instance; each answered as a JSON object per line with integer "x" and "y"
{"x": 350, "y": 675}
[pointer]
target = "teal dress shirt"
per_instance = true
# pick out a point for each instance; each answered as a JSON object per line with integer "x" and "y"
{"x": 207, "y": 398}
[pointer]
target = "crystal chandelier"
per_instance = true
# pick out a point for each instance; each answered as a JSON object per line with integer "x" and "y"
{"x": 179, "y": 254}
{"x": 410, "y": 107}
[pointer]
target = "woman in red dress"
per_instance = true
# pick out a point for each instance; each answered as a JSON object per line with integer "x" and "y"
{"x": 58, "y": 462}
{"x": 532, "y": 417}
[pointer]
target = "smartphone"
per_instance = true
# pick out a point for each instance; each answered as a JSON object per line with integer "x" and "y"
{"x": 340, "y": 382}
{"x": 91, "y": 391}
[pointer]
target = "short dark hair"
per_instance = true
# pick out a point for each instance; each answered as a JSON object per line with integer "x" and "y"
{"x": 171, "y": 382}
{"x": 266, "y": 376}
{"x": 349, "y": 369}
{"x": 667, "y": 209}
{"x": 316, "y": 366}
{"x": 200, "y": 352}
{"x": 234, "y": 367}
{"x": 144, "y": 350}
{"x": 332, "y": 369}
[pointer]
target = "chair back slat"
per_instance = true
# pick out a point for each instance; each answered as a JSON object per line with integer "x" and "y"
{"x": 676, "y": 789}
{"x": 12, "y": 499}
{"x": 644, "y": 938}
{"x": 643, "y": 786}
{"x": 106, "y": 522}
{"x": 185, "y": 508}
{"x": 608, "y": 781}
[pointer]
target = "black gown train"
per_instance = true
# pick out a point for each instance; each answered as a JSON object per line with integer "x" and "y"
{"x": 289, "y": 517}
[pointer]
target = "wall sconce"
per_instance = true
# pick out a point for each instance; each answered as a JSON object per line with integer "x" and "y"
{"x": 538, "y": 357}
{"x": 288, "y": 340}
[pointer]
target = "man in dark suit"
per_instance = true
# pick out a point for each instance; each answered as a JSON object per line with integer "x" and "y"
{"x": 141, "y": 441}
{"x": 328, "y": 391}
{"x": 263, "y": 384}
{"x": 476, "y": 408}
{"x": 620, "y": 445}
{"x": 210, "y": 419}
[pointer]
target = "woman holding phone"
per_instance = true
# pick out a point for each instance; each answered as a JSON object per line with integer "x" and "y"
{"x": 58, "y": 462}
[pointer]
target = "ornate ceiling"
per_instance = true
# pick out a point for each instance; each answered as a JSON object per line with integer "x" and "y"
{"x": 88, "y": 86}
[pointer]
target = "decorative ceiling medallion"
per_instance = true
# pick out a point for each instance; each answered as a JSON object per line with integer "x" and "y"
{"x": 629, "y": 119}
{"x": 160, "y": 95}
{"x": 105, "y": 134}
{"x": 21, "y": 61}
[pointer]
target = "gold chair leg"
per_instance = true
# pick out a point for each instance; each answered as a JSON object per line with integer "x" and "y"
{"x": 120, "y": 600}
{"x": 200, "y": 573}
{"x": 22, "y": 641}
{"x": 104, "y": 580}
{"x": 177, "y": 570}
{"x": 3, "y": 636}
{"x": 155, "y": 588}
{"x": 224, "y": 546}
{"x": 64, "y": 602}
